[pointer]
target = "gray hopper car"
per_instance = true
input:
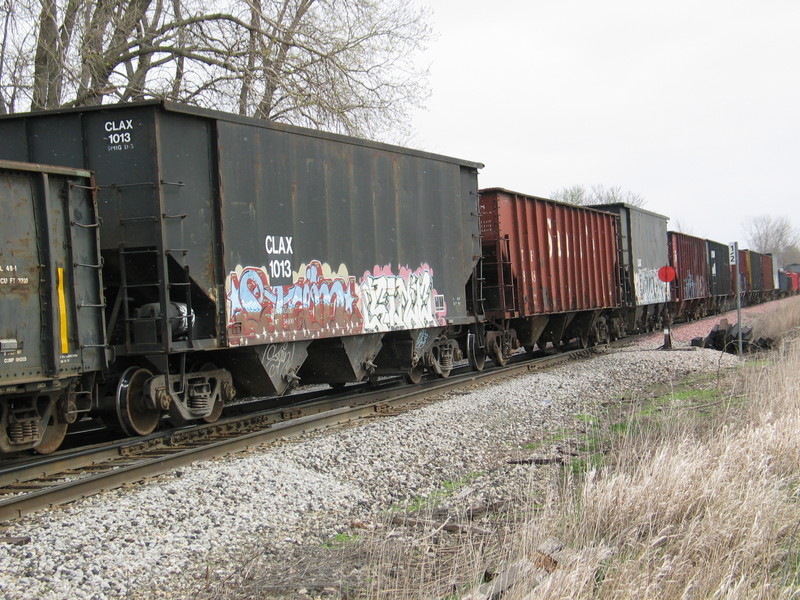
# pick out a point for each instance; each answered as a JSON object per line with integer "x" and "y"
{"x": 643, "y": 251}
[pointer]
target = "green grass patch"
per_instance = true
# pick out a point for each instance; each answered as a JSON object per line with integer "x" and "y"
{"x": 585, "y": 418}
{"x": 341, "y": 539}
{"x": 555, "y": 437}
{"x": 581, "y": 466}
{"x": 449, "y": 488}
{"x": 756, "y": 363}
{"x": 621, "y": 427}
{"x": 592, "y": 443}
{"x": 603, "y": 432}
{"x": 695, "y": 395}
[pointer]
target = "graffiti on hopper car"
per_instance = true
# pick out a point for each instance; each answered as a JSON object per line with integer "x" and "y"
{"x": 694, "y": 286}
{"x": 323, "y": 302}
{"x": 649, "y": 288}
{"x": 404, "y": 301}
{"x": 277, "y": 358}
{"x": 318, "y": 299}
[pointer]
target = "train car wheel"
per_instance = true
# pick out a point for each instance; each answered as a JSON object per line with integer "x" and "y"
{"x": 475, "y": 355}
{"x": 498, "y": 356}
{"x": 442, "y": 360}
{"x": 133, "y": 413}
{"x": 216, "y": 412}
{"x": 414, "y": 376}
{"x": 444, "y": 370}
{"x": 52, "y": 437}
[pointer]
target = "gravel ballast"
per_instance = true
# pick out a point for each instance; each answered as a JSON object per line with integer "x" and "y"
{"x": 170, "y": 536}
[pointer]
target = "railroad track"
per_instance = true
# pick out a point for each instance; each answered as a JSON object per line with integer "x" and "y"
{"x": 38, "y": 483}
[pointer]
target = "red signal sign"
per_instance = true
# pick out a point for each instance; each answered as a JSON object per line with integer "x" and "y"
{"x": 666, "y": 274}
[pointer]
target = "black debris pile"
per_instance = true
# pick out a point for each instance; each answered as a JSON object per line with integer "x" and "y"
{"x": 725, "y": 337}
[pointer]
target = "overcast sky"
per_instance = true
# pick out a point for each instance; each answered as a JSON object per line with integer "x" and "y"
{"x": 693, "y": 105}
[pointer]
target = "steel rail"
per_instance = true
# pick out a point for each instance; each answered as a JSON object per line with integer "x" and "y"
{"x": 387, "y": 404}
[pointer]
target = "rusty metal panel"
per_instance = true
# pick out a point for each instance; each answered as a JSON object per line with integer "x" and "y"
{"x": 542, "y": 256}
{"x": 51, "y": 314}
{"x": 720, "y": 282}
{"x": 689, "y": 259}
{"x": 762, "y": 273}
{"x": 745, "y": 278}
{"x": 756, "y": 267}
{"x": 768, "y": 272}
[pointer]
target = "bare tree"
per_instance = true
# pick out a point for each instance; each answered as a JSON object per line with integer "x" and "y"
{"x": 770, "y": 234}
{"x": 341, "y": 65}
{"x": 790, "y": 256}
{"x": 14, "y": 72}
{"x": 574, "y": 194}
{"x": 616, "y": 194}
{"x": 680, "y": 226}
{"x": 578, "y": 194}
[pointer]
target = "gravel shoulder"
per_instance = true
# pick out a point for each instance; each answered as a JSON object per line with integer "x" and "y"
{"x": 205, "y": 530}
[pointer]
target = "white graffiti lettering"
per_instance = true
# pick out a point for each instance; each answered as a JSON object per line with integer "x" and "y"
{"x": 649, "y": 288}
{"x": 397, "y": 302}
{"x": 277, "y": 358}
{"x": 694, "y": 286}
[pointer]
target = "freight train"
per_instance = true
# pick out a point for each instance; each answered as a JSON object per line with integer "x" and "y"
{"x": 158, "y": 259}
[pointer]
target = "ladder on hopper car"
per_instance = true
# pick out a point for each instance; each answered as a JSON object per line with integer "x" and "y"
{"x": 91, "y": 305}
{"x": 144, "y": 272}
{"x": 498, "y": 283}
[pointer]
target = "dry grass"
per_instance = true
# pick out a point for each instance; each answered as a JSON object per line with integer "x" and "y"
{"x": 688, "y": 506}
{"x": 775, "y": 323}
{"x": 697, "y": 498}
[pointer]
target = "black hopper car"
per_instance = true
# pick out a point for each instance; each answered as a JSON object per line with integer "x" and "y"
{"x": 238, "y": 256}
{"x": 160, "y": 259}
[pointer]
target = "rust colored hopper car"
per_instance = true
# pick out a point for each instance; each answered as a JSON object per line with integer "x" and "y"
{"x": 689, "y": 258}
{"x": 550, "y": 271}
{"x": 643, "y": 252}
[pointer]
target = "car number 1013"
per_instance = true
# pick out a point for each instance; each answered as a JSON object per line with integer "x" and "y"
{"x": 280, "y": 268}
{"x": 119, "y": 138}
